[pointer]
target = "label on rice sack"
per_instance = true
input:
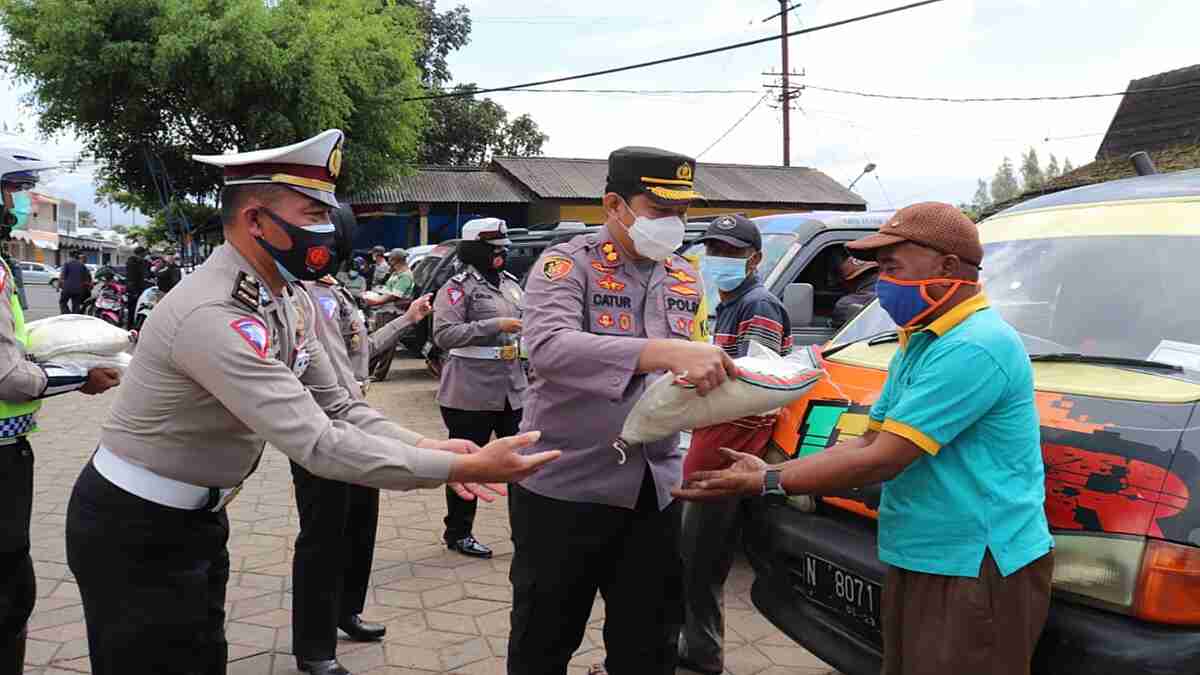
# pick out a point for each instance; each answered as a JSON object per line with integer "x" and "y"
{"x": 75, "y": 334}
{"x": 672, "y": 404}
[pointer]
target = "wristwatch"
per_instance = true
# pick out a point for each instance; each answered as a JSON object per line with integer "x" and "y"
{"x": 772, "y": 489}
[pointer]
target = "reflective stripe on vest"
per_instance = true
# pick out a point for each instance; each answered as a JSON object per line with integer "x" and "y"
{"x": 17, "y": 419}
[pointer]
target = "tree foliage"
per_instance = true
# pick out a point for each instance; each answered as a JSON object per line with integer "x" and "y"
{"x": 1004, "y": 183}
{"x": 982, "y": 199}
{"x": 86, "y": 219}
{"x": 1067, "y": 168}
{"x": 1031, "y": 171}
{"x": 444, "y": 32}
{"x": 465, "y": 131}
{"x": 183, "y": 77}
{"x": 1052, "y": 169}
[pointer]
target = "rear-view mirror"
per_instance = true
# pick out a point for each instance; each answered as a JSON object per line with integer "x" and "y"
{"x": 798, "y": 300}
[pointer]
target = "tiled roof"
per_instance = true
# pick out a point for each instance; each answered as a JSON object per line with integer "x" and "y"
{"x": 1155, "y": 120}
{"x": 444, "y": 185}
{"x": 584, "y": 179}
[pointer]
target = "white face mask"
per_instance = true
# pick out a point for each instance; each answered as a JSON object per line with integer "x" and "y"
{"x": 656, "y": 238}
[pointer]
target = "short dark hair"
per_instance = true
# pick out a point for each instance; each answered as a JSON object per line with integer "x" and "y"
{"x": 140, "y": 250}
{"x": 233, "y": 197}
{"x": 626, "y": 192}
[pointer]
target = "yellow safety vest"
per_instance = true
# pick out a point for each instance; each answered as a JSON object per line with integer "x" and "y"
{"x": 10, "y": 410}
{"x": 700, "y": 323}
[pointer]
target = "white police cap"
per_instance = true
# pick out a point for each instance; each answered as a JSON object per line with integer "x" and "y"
{"x": 491, "y": 230}
{"x": 310, "y": 167}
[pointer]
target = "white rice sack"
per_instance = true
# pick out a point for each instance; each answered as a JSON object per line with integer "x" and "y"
{"x": 764, "y": 382}
{"x": 82, "y": 337}
{"x": 374, "y": 297}
{"x": 88, "y": 361}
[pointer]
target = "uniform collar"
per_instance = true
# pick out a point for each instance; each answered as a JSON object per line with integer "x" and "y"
{"x": 748, "y": 284}
{"x": 949, "y": 320}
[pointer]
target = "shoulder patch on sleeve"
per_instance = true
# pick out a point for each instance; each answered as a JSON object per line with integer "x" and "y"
{"x": 556, "y": 267}
{"x": 254, "y": 332}
{"x": 454, "y": 294}
{"x": 247, "y": 291}
{"x": 329, "y": 306}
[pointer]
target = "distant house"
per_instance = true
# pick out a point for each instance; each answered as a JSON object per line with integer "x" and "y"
{"x": 432, "y": 203}
{"x": 1165, "y": 124}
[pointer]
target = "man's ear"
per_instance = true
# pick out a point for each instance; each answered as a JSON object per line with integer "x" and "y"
{"x": 951, "y": 266}
{"x": 612, "y": 204}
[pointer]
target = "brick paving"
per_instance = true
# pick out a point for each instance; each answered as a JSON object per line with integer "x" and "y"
{"x": 445, "y": 613}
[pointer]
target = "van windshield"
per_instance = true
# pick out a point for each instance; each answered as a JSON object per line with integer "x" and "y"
{"x": 1125, "y": 296}
{"x": 774, "y": 247}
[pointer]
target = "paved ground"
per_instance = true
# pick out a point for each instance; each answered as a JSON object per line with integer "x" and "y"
{"x": 445, "y": 613}
{"x": 43, "y": 302}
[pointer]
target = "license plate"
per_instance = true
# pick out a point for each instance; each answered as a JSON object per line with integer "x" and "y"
{"x": 832, "y": 586}
{"x": 108, "y": 304}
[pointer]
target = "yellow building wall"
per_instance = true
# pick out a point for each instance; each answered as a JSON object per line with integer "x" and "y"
{"x": 595, "y": 213}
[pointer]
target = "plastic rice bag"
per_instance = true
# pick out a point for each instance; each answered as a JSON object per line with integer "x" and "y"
{"x": 764, "y": 383}
{"x": 76, "y": 339}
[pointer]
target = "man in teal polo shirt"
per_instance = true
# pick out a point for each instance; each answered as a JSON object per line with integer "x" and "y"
{"x": 954, "y": 438}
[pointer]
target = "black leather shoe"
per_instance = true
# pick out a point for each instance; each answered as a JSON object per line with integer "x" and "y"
{"x": 321, "y": 667}
{"x": 696, "y": 668}
{"x": 469, "y": 546}
{"x": 361, "y": 631}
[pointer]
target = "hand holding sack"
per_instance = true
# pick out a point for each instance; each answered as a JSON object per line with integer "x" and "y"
{"x": 77, "y": 340}
{"x": 764, "y": 383}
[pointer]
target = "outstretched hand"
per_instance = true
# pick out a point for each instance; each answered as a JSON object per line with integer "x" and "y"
{"x": 743, "y": 478}
{"x": 501, "y": 462}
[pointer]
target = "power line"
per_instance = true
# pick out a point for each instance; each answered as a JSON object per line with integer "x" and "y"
{"x": 735, "y": 125}
{"x": 643, "y": 92}
{"x": 673, "y": 59}
{"x": 998, "y": 99}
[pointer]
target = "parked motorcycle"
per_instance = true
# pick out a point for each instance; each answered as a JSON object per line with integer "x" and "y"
{"x": 145, "y": 303}
{"x": 107, "y": 300}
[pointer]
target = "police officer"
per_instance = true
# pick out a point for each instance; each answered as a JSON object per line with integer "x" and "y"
{"x": 604, "y": 313}
{"x": 23, "y": 384}
{"x": 331, "y": 567}
{"x": 227, "y": 361}
{"x": 476, "y": 321}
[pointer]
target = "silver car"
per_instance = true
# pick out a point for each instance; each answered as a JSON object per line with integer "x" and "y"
{"x": 38, "y": 273}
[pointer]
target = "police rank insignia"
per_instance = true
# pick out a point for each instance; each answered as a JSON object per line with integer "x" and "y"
{"x": 625, "y": 321}
{"x": 602, "y": 268}
{"x": 684, "y": 290}
{"x": 609, "y": 283}
{"x": 609, "y": 250}
{"x": 682, "y": 277}
{"x": 254, "y": 332}
{"x": 684, "y": 172}
{"x": 605, "y": 320}
{"x": 556, "y": 267}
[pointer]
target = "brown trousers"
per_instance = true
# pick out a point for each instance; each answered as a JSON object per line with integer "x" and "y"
{"x": 934, "y": 624}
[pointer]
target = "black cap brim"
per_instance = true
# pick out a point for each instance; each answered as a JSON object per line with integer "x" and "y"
{"x": 727, "y": 239}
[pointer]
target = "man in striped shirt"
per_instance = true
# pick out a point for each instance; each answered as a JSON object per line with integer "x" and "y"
{"x": 748, "y": 313}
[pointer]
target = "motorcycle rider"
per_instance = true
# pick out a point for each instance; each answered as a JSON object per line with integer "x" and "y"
{"x": 136, "y": 280}
{"x": 22, "y": 386}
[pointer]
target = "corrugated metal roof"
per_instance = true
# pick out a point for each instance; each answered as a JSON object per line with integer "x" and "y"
{"x": 555, "y": 178}
{"x": 1155, "y": 120}
{"x": 441, "y": 185}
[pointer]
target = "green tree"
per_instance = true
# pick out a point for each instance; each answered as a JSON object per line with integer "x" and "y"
{"x": 1052, "y": 169}
{"x": 982, "y": 199}
{"x": 1004, "y": 183}
{"x": 87, "y": 219}
{"x": 444, "y": 32}
{"x": 1067, "y": 168}
{"x": 1031, "y": 171}
{"x": 179, "y": 77}
{"x": 466, "y": 131}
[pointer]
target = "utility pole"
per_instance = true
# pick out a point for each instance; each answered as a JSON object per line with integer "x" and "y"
{"x": 787, "y": 122}
{"x": 785, "y": 85}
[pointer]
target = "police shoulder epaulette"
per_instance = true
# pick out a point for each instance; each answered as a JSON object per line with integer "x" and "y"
{"x": 246, "y": 291}
{"x": 512, "y": 276}
{"x": 460, "y": 277}
{"x": 327, "y": 280}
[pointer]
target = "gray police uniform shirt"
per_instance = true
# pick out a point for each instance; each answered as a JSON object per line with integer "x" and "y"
{"x": 20, "y": 379}
{"x": 467, "y": 313}
{"x": 589, "y": 311}
{"x": 222, "y": 366}
{"x": 344, "y": 335}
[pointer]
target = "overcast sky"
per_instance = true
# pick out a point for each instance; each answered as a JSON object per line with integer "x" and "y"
{"x": 957, "y": 48}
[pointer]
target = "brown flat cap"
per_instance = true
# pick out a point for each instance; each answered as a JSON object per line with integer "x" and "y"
{"x": 942, "y": 227}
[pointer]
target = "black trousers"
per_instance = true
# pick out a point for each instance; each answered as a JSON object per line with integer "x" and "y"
{"x": 152, "y": 579}
{"x": 565, "y": 552}
{"x": 70, "y": 303}
{"x": 331, "y": 568}
{"x": 131, "y": 300}
{"x": 17, "y": 583}
{"x": 477, "y": 426}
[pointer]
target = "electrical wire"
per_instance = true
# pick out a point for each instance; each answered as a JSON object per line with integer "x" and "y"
{"x": 642, "y": 92}
{"x": 673, "y": 59}
{"x": 998, "y": 99}
{"x": 735, "y": 125}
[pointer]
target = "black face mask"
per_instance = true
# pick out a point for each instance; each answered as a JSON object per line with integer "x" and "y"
{"x": 311, "y": 255}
